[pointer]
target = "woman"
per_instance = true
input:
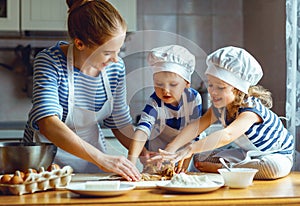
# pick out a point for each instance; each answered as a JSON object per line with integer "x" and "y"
{"x": 77, "y": 85}
{"x": 243, "y": 107}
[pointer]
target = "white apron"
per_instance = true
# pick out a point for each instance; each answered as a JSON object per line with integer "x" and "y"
{"x": 84, "y": 123}
{"x": 167, "y": 134}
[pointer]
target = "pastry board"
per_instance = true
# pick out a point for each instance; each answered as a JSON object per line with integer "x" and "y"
{"x": 139, "y": 184}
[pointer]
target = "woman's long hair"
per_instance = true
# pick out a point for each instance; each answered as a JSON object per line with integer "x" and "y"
{"x": 94, "y": 22}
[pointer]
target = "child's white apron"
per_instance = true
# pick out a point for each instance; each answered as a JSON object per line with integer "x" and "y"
{"x": 167, "y": 134}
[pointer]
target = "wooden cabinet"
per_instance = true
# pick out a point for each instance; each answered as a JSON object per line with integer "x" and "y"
{"x": 9, "y": 15}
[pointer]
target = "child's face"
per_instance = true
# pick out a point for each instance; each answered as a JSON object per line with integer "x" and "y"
{"x": 169, "y": 87}
{"x": 221, "y": 93}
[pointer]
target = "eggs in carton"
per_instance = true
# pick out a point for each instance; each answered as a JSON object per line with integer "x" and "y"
{"x": 32, "y": 181}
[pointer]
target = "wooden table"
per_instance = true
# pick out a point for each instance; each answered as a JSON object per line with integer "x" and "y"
{"x": 285, "y": 191}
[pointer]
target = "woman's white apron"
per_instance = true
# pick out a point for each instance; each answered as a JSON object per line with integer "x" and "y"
{"x": 83, "y": 122}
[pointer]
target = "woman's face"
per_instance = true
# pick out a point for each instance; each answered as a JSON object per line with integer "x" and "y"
{"x": 169, "y": 87}
{"x": 221, "y": 93}
{"x": 99, "y": 57}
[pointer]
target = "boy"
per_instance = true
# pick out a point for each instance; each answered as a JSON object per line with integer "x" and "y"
{"x": 172, "y": 106}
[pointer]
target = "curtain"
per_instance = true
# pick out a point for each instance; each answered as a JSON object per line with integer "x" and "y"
{"x": 293, "y": 68}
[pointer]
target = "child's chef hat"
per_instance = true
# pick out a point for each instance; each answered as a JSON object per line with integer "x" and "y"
{"x": 172, "y": 58}
{"x": 234, "y": 66}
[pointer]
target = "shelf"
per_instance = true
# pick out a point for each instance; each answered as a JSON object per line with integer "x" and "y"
{"x": 13, "y": 42}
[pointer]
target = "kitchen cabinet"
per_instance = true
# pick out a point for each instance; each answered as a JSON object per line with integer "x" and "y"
{"x": 127, "y": 9}
{"x": 45, "y": 15}
{"x": 9, "y": 15}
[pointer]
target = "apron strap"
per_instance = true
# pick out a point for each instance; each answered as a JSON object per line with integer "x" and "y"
{"x": 185, "y": 106}
{"x": 71, "y": 82}
{"x": 106, "y": 84}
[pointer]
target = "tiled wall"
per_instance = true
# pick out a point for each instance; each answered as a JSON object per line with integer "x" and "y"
{"x": 257, "y": 25}
{"x": 14, "y": 103}
{"x": 264, "y": 36}
{"x": 210, "y": 24}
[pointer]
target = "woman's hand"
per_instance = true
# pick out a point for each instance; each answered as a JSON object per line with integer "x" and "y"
{"x": 121, "y": 166}
{"x": 62, "y": 136}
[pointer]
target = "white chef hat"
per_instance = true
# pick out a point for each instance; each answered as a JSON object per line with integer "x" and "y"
{"x": 172, "y": 58}
{"x": 234, "y": 66}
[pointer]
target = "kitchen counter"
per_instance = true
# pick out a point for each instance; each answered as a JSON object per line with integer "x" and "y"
{"x": 17, "y": 134}
{"x": 285, "y": 191}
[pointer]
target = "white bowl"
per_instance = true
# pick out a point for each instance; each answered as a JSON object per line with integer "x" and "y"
{"x": 238, "y": 177}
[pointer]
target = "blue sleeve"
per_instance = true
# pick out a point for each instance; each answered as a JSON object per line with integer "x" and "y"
{"x": 195, "y": 101}
{"x": 45, "y": 89}
{"x": 148, "y": 117}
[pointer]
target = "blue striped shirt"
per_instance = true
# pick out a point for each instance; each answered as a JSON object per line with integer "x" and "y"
{"x": 51, "y": 90}
{"x": 270, "y": 134}
{"x": 175, "y": 116}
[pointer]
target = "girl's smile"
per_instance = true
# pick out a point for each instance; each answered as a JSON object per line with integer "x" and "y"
{"x": 220, "y": 92}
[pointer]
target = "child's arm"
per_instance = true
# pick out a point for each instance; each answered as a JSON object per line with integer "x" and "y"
{"x": 183, "y": 165}
{"x": 136, "y": 146}
{"x": 227, "y": 135}
{"x": 215, "y": 140}
{"x": 191, "y": 131}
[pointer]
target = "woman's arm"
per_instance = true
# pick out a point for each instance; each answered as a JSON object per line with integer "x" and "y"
{"x": 60, "y": 135}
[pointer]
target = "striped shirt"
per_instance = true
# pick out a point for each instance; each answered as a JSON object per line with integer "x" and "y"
{"x": 270, "y": 134}
{"x": 175, "y": 115}
{"x": 51, "y": 90}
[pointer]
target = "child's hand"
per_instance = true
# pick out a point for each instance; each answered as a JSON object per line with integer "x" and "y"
{"x": 183, "y": 165}
{"x": 163, "y": 155}
{"x": 180, "y": 168}
{"x": 146, "y": 155}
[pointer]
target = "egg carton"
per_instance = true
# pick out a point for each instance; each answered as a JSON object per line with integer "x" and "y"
{"x": 42, "y": 181}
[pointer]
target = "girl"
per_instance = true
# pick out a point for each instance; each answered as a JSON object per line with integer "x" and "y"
{"x": 260, "y": 139}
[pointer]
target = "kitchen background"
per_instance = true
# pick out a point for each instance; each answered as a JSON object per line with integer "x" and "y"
{"x": 256, "y": 25}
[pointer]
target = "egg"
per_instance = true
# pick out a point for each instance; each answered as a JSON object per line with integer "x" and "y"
{"x": 30, "y": 170}
{"x": 17, "y": 178}
{"x": 53, "y": 167}
{"x": 22, "y": 174}
{"x": 41, "y": 170}
{"x": 28, "y": 174}
{"x": 5, "y": 179}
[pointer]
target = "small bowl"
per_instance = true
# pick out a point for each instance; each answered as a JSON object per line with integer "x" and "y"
{"x": 238, "y": 177}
